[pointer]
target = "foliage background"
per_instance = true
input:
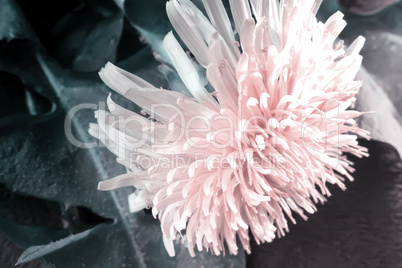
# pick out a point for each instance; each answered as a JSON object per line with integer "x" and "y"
{"x": 50, "y": 52}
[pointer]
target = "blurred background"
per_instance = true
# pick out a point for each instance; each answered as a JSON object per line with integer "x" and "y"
{"x": 51, "y": 213}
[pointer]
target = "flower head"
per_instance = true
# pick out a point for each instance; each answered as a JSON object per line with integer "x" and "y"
{"x": 261, "y": 146}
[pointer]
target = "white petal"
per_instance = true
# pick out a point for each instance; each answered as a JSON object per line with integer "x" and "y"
{"x": 139, "y": 81}
{"x": 187, "y": 31}
{"x": 274, "y": 23}
{"x": 136, "y": 202}
{"x": 120, "y": 138}
{"x": 316, "y": 6}
{"x": 219, "y": 51}
{"x": 240, "y": 11}
{"x": 186, "y": 70}
{"x": 146, "y": 98}
{"x": 168, "y": 242}
{"x": 260, "y": 8}
{"x": 203, "y": 25}
{"x": 118, "y": 110}
{"x": 219, "y": 18}
{"x": 128, "y": 80}
{"x": 356, "y": 46}
{"x": 247, "y": 38}
{"x": 221, "y": 81}
{"x": 128, "y": 179}
{"x": 334, "y": 25}
{"x": 94, "y": 130}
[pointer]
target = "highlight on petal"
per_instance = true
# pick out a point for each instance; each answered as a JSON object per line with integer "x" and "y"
{"x": 136, "y": 202}
{"x": 262, "y": 146}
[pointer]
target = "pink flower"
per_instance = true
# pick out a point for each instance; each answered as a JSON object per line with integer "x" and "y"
{"x": 263, "y": 145}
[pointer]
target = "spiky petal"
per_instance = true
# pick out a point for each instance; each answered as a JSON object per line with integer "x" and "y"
{"x": 262, "y": 146}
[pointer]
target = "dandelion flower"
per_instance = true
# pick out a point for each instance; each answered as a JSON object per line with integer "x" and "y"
{"x": 261, "y": 146}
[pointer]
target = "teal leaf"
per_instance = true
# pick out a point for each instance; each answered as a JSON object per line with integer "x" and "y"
{"x": 12, "y": 23}
{"x": 84, "y": 41}
{"x": 35, "y": 252}
{"x": 27, "y": 235}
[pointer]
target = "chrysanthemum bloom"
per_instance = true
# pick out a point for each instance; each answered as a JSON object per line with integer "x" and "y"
{"x": 214, "y": 166}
